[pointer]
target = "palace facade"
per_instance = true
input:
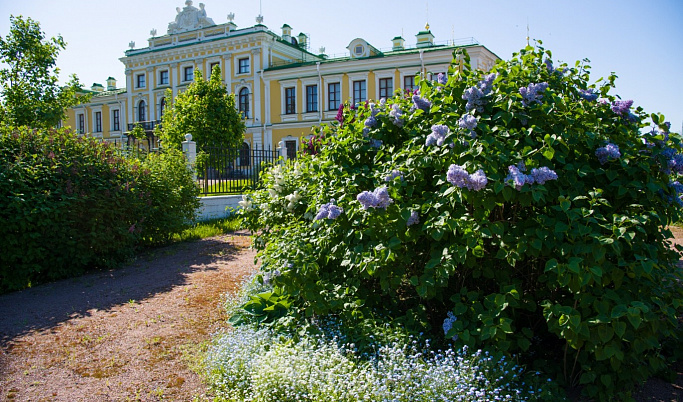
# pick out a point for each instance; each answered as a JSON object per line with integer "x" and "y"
{"x": 281, "y": 87}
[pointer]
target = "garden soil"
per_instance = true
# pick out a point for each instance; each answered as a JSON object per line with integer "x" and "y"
{"x": 137, "y": 333}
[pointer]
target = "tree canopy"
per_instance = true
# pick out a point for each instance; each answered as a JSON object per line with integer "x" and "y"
{"x": 29, "y": 91}
{"x": 207, "y": 111}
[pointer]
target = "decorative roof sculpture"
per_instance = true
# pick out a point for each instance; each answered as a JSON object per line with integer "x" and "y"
{"x": 189, "y": 19}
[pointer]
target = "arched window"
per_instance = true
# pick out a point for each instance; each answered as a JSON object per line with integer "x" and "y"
{"x": 244, "y": 102}
{"x": 142, "y": 111}
{"x": 245, "y": 155}
{"x": 162, "y": 107}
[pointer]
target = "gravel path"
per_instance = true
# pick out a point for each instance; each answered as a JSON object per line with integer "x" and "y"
{"x": 128, "y": 334}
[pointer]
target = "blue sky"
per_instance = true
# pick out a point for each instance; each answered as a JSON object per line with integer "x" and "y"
{"x": 642, "y": 41}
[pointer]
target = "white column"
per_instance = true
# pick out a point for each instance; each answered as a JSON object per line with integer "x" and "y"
{"x": 129, "y": 94}
{"x": 151, "y": 113}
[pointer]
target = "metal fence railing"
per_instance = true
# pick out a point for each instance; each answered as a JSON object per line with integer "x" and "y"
{"x": 232, "y": 170}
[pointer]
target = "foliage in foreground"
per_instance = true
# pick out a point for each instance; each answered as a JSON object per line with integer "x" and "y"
{"x": 29, "y": 91}
{"x": 520, "y": 210}
{"x": 71, "y": 203}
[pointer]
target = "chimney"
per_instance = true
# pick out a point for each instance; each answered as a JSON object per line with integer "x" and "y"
{"x": 111, "y": 84}
{"x": 398, "y": 43}
{"x": 425, "y": 38}
{"x": 303, "y": 40}
{"x": 97, "y": 87}
{"x": 287, "y": 33}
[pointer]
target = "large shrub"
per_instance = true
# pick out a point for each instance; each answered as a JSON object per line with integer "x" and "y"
{"x": 520, "y": 209}
{"x": 71, "y": 203}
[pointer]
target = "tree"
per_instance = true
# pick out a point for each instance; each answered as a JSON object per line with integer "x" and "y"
{"x": 29, "y": 90}
{"x": 207, "y": 111}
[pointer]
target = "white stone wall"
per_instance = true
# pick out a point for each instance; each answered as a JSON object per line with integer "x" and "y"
{"x": 217, "y": 207}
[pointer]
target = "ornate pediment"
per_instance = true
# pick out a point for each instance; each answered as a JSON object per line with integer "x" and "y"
{"x": 189, "y": 19}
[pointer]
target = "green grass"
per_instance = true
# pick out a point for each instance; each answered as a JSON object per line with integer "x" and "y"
{"x": 208, "y": 228}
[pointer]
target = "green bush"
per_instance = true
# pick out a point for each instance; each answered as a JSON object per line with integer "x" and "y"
{"x": 72, "y": 203}
{"x": 521, "y": 210}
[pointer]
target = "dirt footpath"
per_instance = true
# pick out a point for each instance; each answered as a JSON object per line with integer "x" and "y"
{"x": 127, "y": 334}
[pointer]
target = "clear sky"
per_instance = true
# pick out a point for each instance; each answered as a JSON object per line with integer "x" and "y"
{"x": 640, "y": 40}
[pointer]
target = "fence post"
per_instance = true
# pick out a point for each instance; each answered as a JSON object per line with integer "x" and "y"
{"x": 190, "y": 151}
{"x": 283, "y": 150}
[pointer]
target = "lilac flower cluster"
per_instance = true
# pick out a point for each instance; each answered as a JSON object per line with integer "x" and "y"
{"x": 533, "y": 93}
{"x": 678, "y": 189}
{"x": 609, "y": 151}
{"x": 448, "y": 324}
{"x": 622, "y": 107}
{"x": 414, "y": 218}
{"x": 588, "y": 94}
{"x": 371, "y": 121}
{"x": 459, "y": 177}
{"x": 474, "y": 95}
{"x": 375, "y": 143}
{"x": 438, "y": 135}
{"x": 421, "y": 103}
{"x": 442, "y": 78}
{"x": 519, "y": 179}
{"x": 340, "y": 113}
{"x": 396, "y": 115}
{"x": 394, "y": 174}
{"x": 674, "y": 161}
{"x": 468, "y": 122}
{"x": 376, "y": 199}
{"x": 329, "y": 211}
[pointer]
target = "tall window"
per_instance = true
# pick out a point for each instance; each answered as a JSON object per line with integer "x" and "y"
{"x": 359, "y": 92}
{"x": 81, "y": 123}
{"x": 290, "y": 100}
{"x": 333, "y": 96}
{"x": 162, "y": 107}
{"x": 211, "y": 66}
{"x": 311, "y": 98}
{"x": 244, "y": 102}
{"x": 115, "y": 120}
{"x": 140, "y": 81}
{"x": 386, "y": 88}
{"x": 163, "y": 77}
{"x": 188, "y": 73}
{"x": 409, "y": 83}
{"x": 290, "y": 145}
{"x": 98, "y": 122}
{"x": 243, "y": 66}
{"x": 142, "y": 111}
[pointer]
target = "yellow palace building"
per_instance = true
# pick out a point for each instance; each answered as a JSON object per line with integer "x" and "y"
{"x": 281, "y": 87}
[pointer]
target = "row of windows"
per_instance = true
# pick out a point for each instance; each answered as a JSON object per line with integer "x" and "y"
{"x": 188, "y": 73}
{"x": 115, "y": 121}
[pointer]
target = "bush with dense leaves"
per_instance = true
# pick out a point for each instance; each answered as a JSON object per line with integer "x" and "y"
{"x": 520, "y": 209}
{"x": 71, "y": 203}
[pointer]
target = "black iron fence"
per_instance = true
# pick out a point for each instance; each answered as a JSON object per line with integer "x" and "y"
{"x": 232, "y": 170}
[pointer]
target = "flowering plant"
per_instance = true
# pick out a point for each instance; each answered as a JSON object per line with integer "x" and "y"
{"x": 543, "y": 232}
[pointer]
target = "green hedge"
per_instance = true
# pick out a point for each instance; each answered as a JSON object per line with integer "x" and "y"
{"x": 70, "y": 203}
{"x": 521, "y": 209}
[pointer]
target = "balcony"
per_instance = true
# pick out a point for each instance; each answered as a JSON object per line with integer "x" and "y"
{"x": 146, "y": 125}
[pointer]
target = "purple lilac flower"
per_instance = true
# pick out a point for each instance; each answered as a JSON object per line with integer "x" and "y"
{"x": 474, "y": 95}
{"x": 371, "y": 121}
{"x": 340, "y": 113}
{"x": 421, "y": 103}
{"x": 588, "y": 94}
{"x": 609, "y": 151}
{"x": 448, "y": 324}
{"x": 394, "y": 174}
{"x": 533, "y": 93}
{"x": 468, "y": 122}
{"x": 603, "y": 101}
{"x": 414, "y": 218}
{"x": 438, "y": 135}
{"x": 668, "y": 126}
{"x": 442, "y": 78}
{"x": 396, "y": 115}
{"x": 622, "y": 107}
{"x": 518, "y": 178}
{"x": 375, "y": 143}
{"x": 549, "y": 65}
{"x": 543, "y": 174}
{"x": 459, "y": 177}
{"x": 329, "y": 211}
{"x": 376, "y": 199}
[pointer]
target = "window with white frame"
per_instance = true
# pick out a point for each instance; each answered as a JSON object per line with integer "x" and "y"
{"x": 162, "y": 107}
{"x": 243, "y": 102}
{"x": 243, "y": 65}
{"x": 142, "y": 111}
{"x": 290, "y": 100}
{"x": 140, "y": 80}
{"x": 98, "y": 122}
{"x": 212, "y": 65}
{"x": 409, "y": 83}
{"x": 188, "y": 73}
{"x": 163, "y": 77}
{"x": 359, "y": 92}
{"x": 81, "y": 123}
{"x": 333, "y": 95}
{"x": 386, "y": 88}
{"x": 311, "y": 98}
{"x": 115, "y": 120}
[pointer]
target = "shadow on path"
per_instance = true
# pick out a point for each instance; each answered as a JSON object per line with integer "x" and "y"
{"x": 154, "y": 271}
